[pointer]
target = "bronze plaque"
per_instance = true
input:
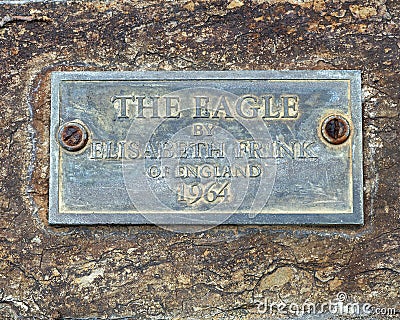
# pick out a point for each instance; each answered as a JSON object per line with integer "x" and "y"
{"x": 247, "y": 147}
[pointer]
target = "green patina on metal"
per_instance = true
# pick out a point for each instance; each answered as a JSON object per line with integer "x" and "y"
{"x": 246, "y": 147}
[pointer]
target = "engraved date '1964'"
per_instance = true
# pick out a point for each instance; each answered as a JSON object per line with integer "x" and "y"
{"x": 209, "y": 193}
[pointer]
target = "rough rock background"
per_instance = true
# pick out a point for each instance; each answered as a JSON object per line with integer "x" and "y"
{"x": 144, "y": 272}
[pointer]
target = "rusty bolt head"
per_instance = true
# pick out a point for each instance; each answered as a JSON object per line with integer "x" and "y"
{"x": 72, "y": 136}
{"x": 335, "y": 129}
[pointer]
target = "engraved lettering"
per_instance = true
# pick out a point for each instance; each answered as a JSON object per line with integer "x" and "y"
{"x": 255, "y": 171}
{"x": 122, "y": 154}
{"x": 154, "y": 107}
{"x": 283, "y": 148}
{"x": 210, "y": 192}
{"x": 275, "y": 149}
{"x": 110, "y": 150}
{"x": 172, "y": 103}
{"x": 222, "y": 105}
{"x": 305, "y": 152}
{"x": 197, "y": 129}
{"x": 215, "y": 151}
{"x": 245, "y": 101}
{"x": 207, "y": 148}
{"x": 200, "y": 129}
{"x": 154, "y": 172}
{"x": 122, "y": 105}
{"x": 167, "y": 150}
{"x": 133, "y": 149}
{"x": 247, "y": 106}
{"x": 255, "y": 150}
{"x": 251, "y": 149}
{"x": 290, "y": 106}
{"x": 269, "y": 106}
{"x": 209, "y": 128}
{"x": 96, "y": 151}
{"x": 218, "y": 171}
{"x": 202, "y": 107}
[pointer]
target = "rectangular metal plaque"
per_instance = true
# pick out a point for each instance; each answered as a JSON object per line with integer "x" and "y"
{"x": 247, "y": 147}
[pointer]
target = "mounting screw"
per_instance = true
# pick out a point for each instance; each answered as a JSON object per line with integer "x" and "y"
{"x": 72, "y": 136}
{"x": 335, "y": 129}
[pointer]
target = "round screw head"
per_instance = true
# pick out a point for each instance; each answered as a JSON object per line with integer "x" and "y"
{"x": 335, "y": 129}
{"x": 72, "y": 136}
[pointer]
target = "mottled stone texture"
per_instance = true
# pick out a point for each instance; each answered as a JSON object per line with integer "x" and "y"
{"x": 145, "y": 272}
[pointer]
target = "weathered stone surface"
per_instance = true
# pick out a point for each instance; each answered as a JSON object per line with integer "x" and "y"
{"x": 146, "y": 272}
